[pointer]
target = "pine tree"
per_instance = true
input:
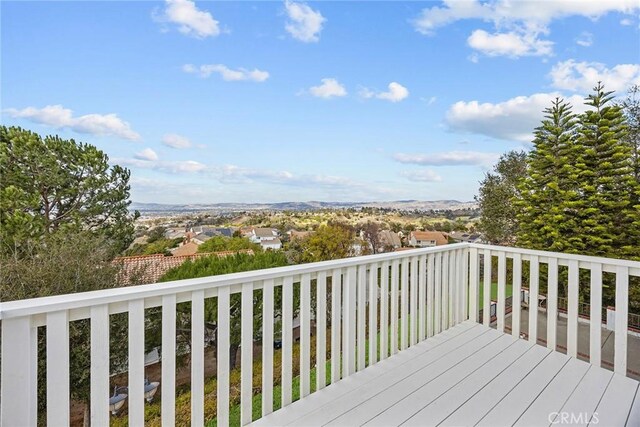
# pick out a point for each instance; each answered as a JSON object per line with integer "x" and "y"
{"x": 609, "y": 211}
{"x": 548, "y": 199}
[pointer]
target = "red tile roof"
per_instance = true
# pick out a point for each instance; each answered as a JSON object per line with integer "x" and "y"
{"x": 142, "y": 269}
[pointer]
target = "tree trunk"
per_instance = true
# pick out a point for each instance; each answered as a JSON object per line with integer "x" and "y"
{"x": 233, "y": 355}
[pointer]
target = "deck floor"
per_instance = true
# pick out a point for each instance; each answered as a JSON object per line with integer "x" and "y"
{"x": 471, "y": 375}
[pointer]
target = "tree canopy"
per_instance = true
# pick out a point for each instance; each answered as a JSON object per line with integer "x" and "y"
{"x": 497, "y": 191}
{"x": 221, "y": 243}
{"x": 49, "y": 183}
{"x": 580, "y": 193}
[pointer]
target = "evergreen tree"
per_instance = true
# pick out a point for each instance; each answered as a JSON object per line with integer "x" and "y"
{"x": 548, "y": 198}
{"x": 609, "y": 210}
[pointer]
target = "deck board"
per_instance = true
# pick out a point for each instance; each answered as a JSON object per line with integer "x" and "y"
{"x": 469, "y": 375}
{"x": 615, "y": 405}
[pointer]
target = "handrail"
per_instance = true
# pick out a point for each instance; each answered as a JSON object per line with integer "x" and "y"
{"x": 633, "y": 265}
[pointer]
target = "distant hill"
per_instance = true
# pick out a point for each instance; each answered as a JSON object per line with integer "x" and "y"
{"x": 420, "y": 205}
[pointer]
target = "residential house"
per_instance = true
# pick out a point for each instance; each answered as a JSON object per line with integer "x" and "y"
{"x": 425, "y": 239}
{"x": 188, "y": 248}
{"x": 389, "y": 241}
{"x": 465, "y": 237}
{"x": 266, "y": 237}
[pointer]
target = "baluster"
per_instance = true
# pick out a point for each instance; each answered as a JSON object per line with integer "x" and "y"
{"x": 572, "y": 310}
{"x": 168, "y": 360}
{"x": 534, "y": 285}
{"x": 349, "y": 324}
{"x": 321, "y": 329}
{"x": 57, "y": 368}
{"x": 197, "y": 358}
{"x": 431, "y": 266}
{"x": 246, "y": 354}
{"x": 486, "y": 293}
{"x": 413, "y": 301}
{"x": 422, "y": 298}
{"x": 622, "y": 313}
{"x": 394, "y": 306}
{"x": 100, "y": 365}
{"x": 373, "y": 314}
{"x": 552, "y": 303}
{"x": 287, "y": 340}
{"x": 362, "y": 310}
{"x": 502, "y": 290}
{"x": 474, "y": 285}
{"x": 595, "y": 325}
{"x": 135, "y": 401}
{"x": 267, "y": 346}
{"x": 336, "y": 297}
{"x": 437, "y": 314}
{"x": 516, "y": 295}
{"x": 446, "y": 291}
{"x": 223, "y": 344}
{"x": 384, "y": 311}
{"x": 305, "y": 335}
{"x": 404, "y": 303}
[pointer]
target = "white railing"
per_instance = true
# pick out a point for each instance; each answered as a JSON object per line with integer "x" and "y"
{"x": 415, "y": 294}
{"x": 387, "y": 302}
{"x": 593, "y": 267}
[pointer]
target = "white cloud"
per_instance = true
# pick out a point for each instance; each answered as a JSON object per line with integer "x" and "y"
{"x": 523, "y": 20}
{"x": 426, "y": 175}
{"x": 147, "y": 154}
{"x": 238, "y": 174}
{"x": 524, "y": 12}
{"x": 513, "y": 119}
{"x": 626, "y": 22}
{"x": 512, "y": 44}
{"x": 189, "y": 18}
{"x": 583, "y": 76}
{"x": 226, "y": 73}
{"x": 304, "y": 24}
{"x": 328, "y": 89}
{"x": 174, "y": 167}
{"x": 448, "y": 158}
{"x": 174, "y": 140}
{"x": 396, "y": 93}
{"x": 59, "y": 117}
{"x": 585, "y": 39}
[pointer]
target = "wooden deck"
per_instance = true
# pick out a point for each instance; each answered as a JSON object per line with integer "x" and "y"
{"x": 471, "y": 375}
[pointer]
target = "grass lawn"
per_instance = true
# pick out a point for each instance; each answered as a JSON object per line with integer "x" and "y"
{"x": 234, "y": 412}
{"x": 494, "y": 292}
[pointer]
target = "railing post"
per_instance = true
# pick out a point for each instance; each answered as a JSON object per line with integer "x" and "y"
{"x": 19, "y": 389}
{"x": 534, "y": 286}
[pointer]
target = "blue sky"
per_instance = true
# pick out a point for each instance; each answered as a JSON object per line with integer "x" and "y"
{"x": 292, "y": 101}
